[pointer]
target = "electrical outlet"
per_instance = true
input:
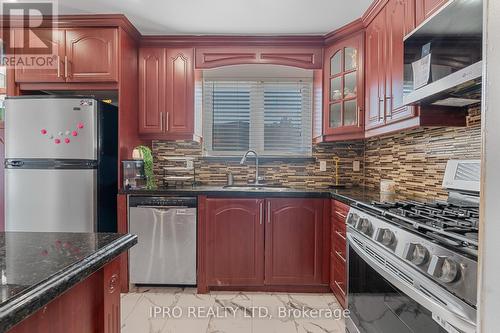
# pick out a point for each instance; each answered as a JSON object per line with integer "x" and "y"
{"x": 189, "y": 164}
{"x": 355, "y": 166}
{"x": 322, "y": 165}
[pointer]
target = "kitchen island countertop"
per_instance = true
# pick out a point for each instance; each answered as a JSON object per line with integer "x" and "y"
{"x": 38, "y": 267}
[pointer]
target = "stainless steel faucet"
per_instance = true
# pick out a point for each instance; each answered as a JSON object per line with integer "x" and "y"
{"x": 244, "y": 159}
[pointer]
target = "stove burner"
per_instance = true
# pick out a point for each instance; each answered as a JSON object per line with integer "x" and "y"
{"x": 456, "y": 226}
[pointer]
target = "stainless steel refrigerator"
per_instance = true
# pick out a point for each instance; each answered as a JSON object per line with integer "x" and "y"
{"x": 61, "y": 164}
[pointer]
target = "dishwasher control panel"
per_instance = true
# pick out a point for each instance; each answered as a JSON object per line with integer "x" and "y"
{"x": 150, "y": 201}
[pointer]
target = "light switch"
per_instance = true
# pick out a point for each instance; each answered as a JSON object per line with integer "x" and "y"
{"x": 355, "y": 166}
{"x": 322, "y": 165}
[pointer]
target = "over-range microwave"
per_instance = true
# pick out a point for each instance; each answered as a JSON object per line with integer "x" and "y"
{"x": 443, "y": 57}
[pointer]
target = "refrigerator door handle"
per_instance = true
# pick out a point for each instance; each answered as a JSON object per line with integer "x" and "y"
{"x": 14, "y": 164}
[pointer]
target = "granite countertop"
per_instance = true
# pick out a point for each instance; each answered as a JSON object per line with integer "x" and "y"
{"x": 348, "y": 195}
{"x": 233, "y": 192}
{"x": 38, "y": 267}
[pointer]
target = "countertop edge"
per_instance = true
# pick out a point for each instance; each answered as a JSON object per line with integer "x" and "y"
{"x": 34, "y": 299}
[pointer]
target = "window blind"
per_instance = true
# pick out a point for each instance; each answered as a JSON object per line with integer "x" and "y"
{"x": 273, "y": 118}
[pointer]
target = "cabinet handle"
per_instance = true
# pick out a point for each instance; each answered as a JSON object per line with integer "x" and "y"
{"x": 340, "y": 214}
{"x": 167, "y": 125}
{"x": 359, "y": 116}
{"x": 268, "y": 212}
{"x": 340, "y": 288}
{"x": 58, "y": 66}
{"x": 261, "y": 212}
{"x": 340, "y": 235}
{"x": 340, "y": 256}
{"x": 65, "y": 66}
{"x": 161, "y": 121}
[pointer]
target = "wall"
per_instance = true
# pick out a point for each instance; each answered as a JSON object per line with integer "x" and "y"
{"x": 300, "y": 174}
{"x": 416, "y": 159}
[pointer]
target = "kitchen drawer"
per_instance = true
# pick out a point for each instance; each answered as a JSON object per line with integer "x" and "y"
{"x": 338, "y": 281}
{"x": 339, "y": 226}
{"x": 341, "y": 207}
{"x": 339, "y": 247}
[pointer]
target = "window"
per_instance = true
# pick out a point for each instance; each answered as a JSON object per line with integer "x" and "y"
{"x": 273, "y": 118}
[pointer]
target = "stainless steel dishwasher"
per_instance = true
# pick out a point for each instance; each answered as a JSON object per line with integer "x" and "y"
{"x": 166, "y": 248}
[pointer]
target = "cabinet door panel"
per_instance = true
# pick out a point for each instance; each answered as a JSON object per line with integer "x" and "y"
{"x": 425, "y": 9}
{"x": 344, "y": 89}
{"x": 375, "y": 72}
{"x": 92, "y": 55}
{"x": 235, "y": 242}
{"x": 400, "y": 21}
{"x": 180, "y": 91}
{"x": 48, "y": 36}
{"x": 294, "y": 241}
{"x": 151, "y": 90}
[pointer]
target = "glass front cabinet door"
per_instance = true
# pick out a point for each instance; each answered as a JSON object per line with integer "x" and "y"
{"x": 343, "y": 82}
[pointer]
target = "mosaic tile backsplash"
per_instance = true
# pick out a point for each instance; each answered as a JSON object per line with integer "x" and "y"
{"x": 299, "y": 174}
{"x": 414, "y": 159}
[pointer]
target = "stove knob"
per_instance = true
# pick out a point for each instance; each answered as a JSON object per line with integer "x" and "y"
{"x": 364, "y": 226}
{"x": 386, "y": 237}
{"x": 444, "y": 268}
{"x": 352, "y": 219}
{"x": 416, "y": 253}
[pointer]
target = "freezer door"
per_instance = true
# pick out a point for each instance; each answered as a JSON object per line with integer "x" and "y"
{"x": 59, "y": 200}
{"x": 51, "y": 128}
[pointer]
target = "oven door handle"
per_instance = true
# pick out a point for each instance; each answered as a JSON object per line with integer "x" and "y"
{"x": 455, "y": 312}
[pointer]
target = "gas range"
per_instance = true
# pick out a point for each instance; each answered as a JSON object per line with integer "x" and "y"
{"x": 450, "y": 225}
{"x": 427, "y": 251}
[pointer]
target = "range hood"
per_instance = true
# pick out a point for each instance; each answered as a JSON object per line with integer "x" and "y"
{"x": 443, "y": 57}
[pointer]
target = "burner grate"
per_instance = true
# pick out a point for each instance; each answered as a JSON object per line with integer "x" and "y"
{"x": 455, "y": 225}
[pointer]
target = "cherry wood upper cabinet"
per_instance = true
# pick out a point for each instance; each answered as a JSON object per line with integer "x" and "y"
{"x": 86, "y": 55}
{"x": 425, "y": 8}
{"x": 235, "y": 242}
{"x": 91, "y": 55}
{"x": 56, "y": 38}
{"x": 294, "y": 241}
{"x": 344, "y": 93}
{"x": 152, "y": 73}
{"x": 400, "y": 20}
{"x": 375, "y": 72}
{"x": 180, "y": 91}
{"x": 166, "y": 93}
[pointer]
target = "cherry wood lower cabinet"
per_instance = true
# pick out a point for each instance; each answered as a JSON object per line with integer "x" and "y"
{"x": 263, "y": 244}
{"x": 294, "y": 241}
{"x": 338, "y": 262}
{"x": 91, "y": 306}
{"x": 235, "y": 242}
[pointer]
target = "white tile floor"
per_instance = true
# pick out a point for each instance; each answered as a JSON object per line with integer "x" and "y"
{"x": 184, "y": 311}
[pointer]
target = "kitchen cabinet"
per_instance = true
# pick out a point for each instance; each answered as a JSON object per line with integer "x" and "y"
{"x": 384, "y": 69}
{"x": 425, "y": 8}
{"x": 375, "y": 72}
{"x": 57, "y": 40}
{"x": 84, "y": 55}
{"x": 151, "y": 90}
{"x": 344, "y": 82}
{"x": 294, "y": 241}
{"x": 278, "y": 243}
{"x": 400, "y": 20}
{"x": 91, "y": 55}
{"x": 235, "y": 242}
{"x": 166, "y": 93}
{"x": 338, "y": 255}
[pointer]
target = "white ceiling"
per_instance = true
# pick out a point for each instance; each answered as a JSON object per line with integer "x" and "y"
{"x": 198, "y": 17}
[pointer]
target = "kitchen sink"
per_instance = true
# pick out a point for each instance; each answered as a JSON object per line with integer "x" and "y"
{"x": 246, "y": 187}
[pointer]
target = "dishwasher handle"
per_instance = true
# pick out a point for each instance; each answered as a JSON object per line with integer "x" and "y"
{"x": 162, "y": 207}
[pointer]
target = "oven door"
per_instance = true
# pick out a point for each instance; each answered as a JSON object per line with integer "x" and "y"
{"x": 379, "y": 303}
